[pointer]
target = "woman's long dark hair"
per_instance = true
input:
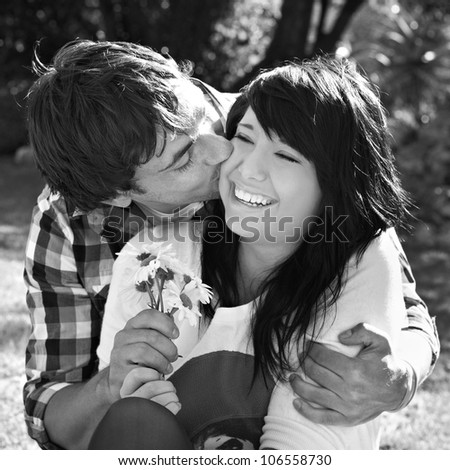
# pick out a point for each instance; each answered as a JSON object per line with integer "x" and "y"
{"x": 331, "y": 114}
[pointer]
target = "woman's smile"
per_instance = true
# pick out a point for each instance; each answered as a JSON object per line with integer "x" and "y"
{"x": 251, "y": 199}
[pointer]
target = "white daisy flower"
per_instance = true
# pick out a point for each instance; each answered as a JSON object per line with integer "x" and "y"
{"x": 198, "y": 291}
{"x": 144, "y": 273}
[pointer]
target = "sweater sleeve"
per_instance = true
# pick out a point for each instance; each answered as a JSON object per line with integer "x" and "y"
{"x": 372, "y": 294}
{"x": 125, "y": 301}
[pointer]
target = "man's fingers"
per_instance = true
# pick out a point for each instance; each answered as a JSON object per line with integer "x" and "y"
{"x": 367, "y": 336}
{"x": 174, "y": 407}
{"x": 162, "y": 392}
{"x": 314, "y": 394}
{"x": 152, "y": 338}
{"x": 325, "y": 361}
{"x": 146, "y": 341}
{"x": 170, "y": 401}
{"x": 323, "y": 376}
{"x": 139, "y": 354}
{"x": 329, "y": 417}
{"x": 154, "y": 320}
{"x": 158, "y": 388}
{"x": 136, "y": 378}
{"x": 320, "y": 415}
{"x": 164, "y": 398}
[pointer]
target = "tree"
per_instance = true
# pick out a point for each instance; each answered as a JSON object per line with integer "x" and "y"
{"x": 304, "y": 31}
{"x": 227, "y": 41}
{"x": 224, "y": 39}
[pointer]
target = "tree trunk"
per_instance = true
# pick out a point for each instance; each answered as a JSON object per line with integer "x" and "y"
{"x": 109, "y": 19}
{"x": 326, "y": 43}
{"x": 290, "y": 37}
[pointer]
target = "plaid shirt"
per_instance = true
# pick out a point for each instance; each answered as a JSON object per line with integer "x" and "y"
{"x": 68, "y": 269}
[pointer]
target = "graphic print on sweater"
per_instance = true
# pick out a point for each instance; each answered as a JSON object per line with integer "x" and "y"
{"x": 221, "y": 407}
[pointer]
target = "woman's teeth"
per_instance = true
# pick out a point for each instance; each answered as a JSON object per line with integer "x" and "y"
{"x": 254, "y": 200}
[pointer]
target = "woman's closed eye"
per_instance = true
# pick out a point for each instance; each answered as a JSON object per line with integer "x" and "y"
{"x": 243, "y": 138}
{"x": 288, "y": 158}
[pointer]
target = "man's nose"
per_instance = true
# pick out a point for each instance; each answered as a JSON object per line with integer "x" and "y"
{"x": 217, "y": 149}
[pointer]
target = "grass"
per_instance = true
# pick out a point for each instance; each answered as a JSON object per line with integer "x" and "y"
{"x": 425, "y": 424}
{"x": 19, "y": 187}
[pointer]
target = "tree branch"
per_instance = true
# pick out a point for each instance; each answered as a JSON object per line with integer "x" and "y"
{"x": 327, "y": 42}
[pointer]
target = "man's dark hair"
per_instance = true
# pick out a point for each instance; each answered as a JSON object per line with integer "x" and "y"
{"x": 94, "y": 114}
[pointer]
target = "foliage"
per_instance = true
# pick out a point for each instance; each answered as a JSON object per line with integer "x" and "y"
{"x": 405, "y": 48}
{"x": 13, "y": 132}
{"x": 437, "y": 7}
{"x": 206, "y": 32}
{"x": 407, "y": 52}
{"x": 179, "y": 28}
{"x": 425, "y": 162}
{"x": 224, "y": 39}
{"x": 24, "y": 22}
{"x": 238, "y": 42}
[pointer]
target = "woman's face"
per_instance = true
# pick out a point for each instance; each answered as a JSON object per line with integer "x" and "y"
{"x": 269, "y": 189}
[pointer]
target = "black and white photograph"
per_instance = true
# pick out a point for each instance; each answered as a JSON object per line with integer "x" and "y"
{"x": 225, "y": 225}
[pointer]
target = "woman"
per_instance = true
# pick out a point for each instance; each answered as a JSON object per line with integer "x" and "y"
{"x": 307, "y": 196}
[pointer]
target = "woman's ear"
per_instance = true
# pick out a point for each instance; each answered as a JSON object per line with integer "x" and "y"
{"x": 123, "y": 199}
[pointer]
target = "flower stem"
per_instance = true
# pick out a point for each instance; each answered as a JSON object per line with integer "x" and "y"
{"x": 150, "y": 294}
{"x": 161, "y": 298}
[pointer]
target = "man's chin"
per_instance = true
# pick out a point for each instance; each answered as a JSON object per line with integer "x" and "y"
{"x": 205, "y": 197}
{"x": 214, "y": 194}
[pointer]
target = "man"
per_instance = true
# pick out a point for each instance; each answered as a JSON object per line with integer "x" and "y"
{"x": 122, "y": 135}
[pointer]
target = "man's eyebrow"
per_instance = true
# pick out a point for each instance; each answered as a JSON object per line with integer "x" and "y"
{"x": 177, "y": 155}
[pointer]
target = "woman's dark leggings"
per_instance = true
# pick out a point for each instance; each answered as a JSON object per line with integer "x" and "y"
{"x": 139, "y": 424}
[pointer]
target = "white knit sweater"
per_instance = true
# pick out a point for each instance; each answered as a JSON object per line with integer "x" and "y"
{"x": 220, "y": 408}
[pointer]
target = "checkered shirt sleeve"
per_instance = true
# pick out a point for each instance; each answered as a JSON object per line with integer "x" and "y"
{"x": 65, "y": 322}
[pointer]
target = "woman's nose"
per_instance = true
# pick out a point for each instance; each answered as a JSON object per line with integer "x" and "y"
{"x": 251, "y": 166}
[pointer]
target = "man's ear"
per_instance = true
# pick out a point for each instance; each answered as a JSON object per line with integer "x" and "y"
{"x": 121, "y": 200}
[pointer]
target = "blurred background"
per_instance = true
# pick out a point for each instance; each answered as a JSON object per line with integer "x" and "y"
{"x": 403, "y": 45}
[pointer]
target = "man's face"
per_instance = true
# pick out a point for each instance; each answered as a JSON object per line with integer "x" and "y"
{"x": 185, "y": 168}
